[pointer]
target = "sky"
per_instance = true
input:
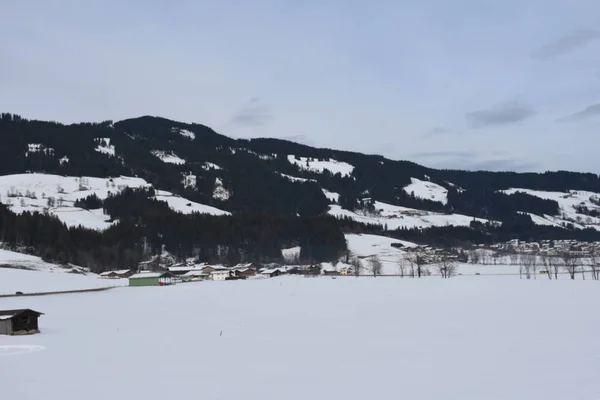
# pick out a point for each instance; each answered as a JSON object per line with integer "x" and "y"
{"x": 470, "y": 84}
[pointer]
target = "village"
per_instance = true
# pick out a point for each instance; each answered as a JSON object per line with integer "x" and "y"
{"x": 566, "y": 256}
{"x": 193, "y": 272}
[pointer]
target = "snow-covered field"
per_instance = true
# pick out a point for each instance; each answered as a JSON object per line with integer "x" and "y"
{"x": 312, "y": 338}
{"x": 398, "y": 217}
{"x": 168, "y": 157}
{"x": 313, "y": 165}
{"x": 427, "y": 191}
{"x": 185, "y": 206}
{"x": 567, "y": 203}
{"x": 30, "y": 274}
{"x": 56, "y": 194}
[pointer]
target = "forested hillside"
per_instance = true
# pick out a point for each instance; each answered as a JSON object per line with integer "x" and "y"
{"x": 279, "y": 193}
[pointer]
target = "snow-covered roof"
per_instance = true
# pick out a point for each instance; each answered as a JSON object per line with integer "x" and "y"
{"x": 269, "y": 271}
{"x": 118, "y": 272}
{"x": 147, "y": 275}
{"x": 195, "y": 273}
{"x": 180, "y": 268}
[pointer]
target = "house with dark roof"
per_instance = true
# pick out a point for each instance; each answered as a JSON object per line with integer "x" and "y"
{"x": 19, "y": 322}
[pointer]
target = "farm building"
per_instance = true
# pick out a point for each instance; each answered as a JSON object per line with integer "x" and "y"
{"x": 148, "y": 278}
{"x": 122, "y": 273}
{"x": 222, "y": 275}
{"x": 271, "y": 272}
{"x": 212, "y": 268}
{"x": 246, "y": 272}
{"x": 184, "y": 269}
{"x": 195, "y": 275}
{"x": 19, "y": 322}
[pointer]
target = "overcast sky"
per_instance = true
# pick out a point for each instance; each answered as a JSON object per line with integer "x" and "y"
{"x": 477, "y": 84}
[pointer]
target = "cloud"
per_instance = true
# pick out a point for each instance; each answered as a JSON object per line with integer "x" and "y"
{"x": 252, "y": 114}
{"x": 567, "y": 43}
{"x": 435, "y": 131}
{"x": 588, "y": 112}
{"x": 504, "y": 114}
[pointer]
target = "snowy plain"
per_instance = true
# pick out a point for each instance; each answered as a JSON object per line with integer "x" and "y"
{"x": 312, "y": 338}
{"x": 30, "y": 274}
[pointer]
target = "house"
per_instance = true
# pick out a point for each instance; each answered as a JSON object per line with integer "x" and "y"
{"x": 270, "y": 272}
{"x": 122, "y": 273}
{"x": 247, "y": 266}
{"x": 19, "y": 322}
{"x": 195, "y": 275}
{"x": 246, "y": 272}
{"x": 149, "y": 278}
{"x": 184, "y": 269}
{"x": 223, "y": 275}
{"x": 211, "y": 268}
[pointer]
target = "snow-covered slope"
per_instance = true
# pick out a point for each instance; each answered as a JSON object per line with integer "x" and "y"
{"x": 219, "y": 191}
{"x": 105, "y": 147}
{"x": 184, "y": 132}
{"x": 366, "y": 246}
{"x": 296, "y": 339}
{"x": 56, "y": 195}
{"x": 185, "y": 206}
{"x": 296, "y": 179}
{"x": 331, "y": 196}
{"x": 427, "y": 191}
{"x": 567, "y": 203}
{"x": 208, "y": 166}
{"x": 30, "y": 274}
{"x": 168, "y": 157}
{"x": 291, "y": 254}
{"x": 313, "y": 165}
{"x": 395, "y": 217}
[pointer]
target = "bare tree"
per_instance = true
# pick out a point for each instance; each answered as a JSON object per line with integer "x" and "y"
{"x": 570, "y": 263}
{"x": 417, "y": 261}
{"x": 474, "y": 257}
{"x": 534, "y": 263}
{"x": 594, "y": 264}
{"x": 376, "y": 265}
{"x": 526, "y": 265}
{"x": 401, "y": 265}
{"x": 514, "y": 258}
{"x": 555, "y": 264}
{"x": 356, "y": 266}
{"x": 446, "y": 267}
{"x": 546, "y": 267}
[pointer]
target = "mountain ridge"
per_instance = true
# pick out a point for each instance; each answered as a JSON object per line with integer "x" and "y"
{"x": 322, "y": 190}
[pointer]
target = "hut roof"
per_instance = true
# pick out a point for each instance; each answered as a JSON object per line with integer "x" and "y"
{"x": 8, "y": 314}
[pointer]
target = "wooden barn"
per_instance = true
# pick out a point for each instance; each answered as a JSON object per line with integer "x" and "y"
{"x": 19, "y": 322}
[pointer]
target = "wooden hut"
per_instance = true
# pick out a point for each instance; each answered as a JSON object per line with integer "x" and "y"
{"x": 19, "y": 322}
